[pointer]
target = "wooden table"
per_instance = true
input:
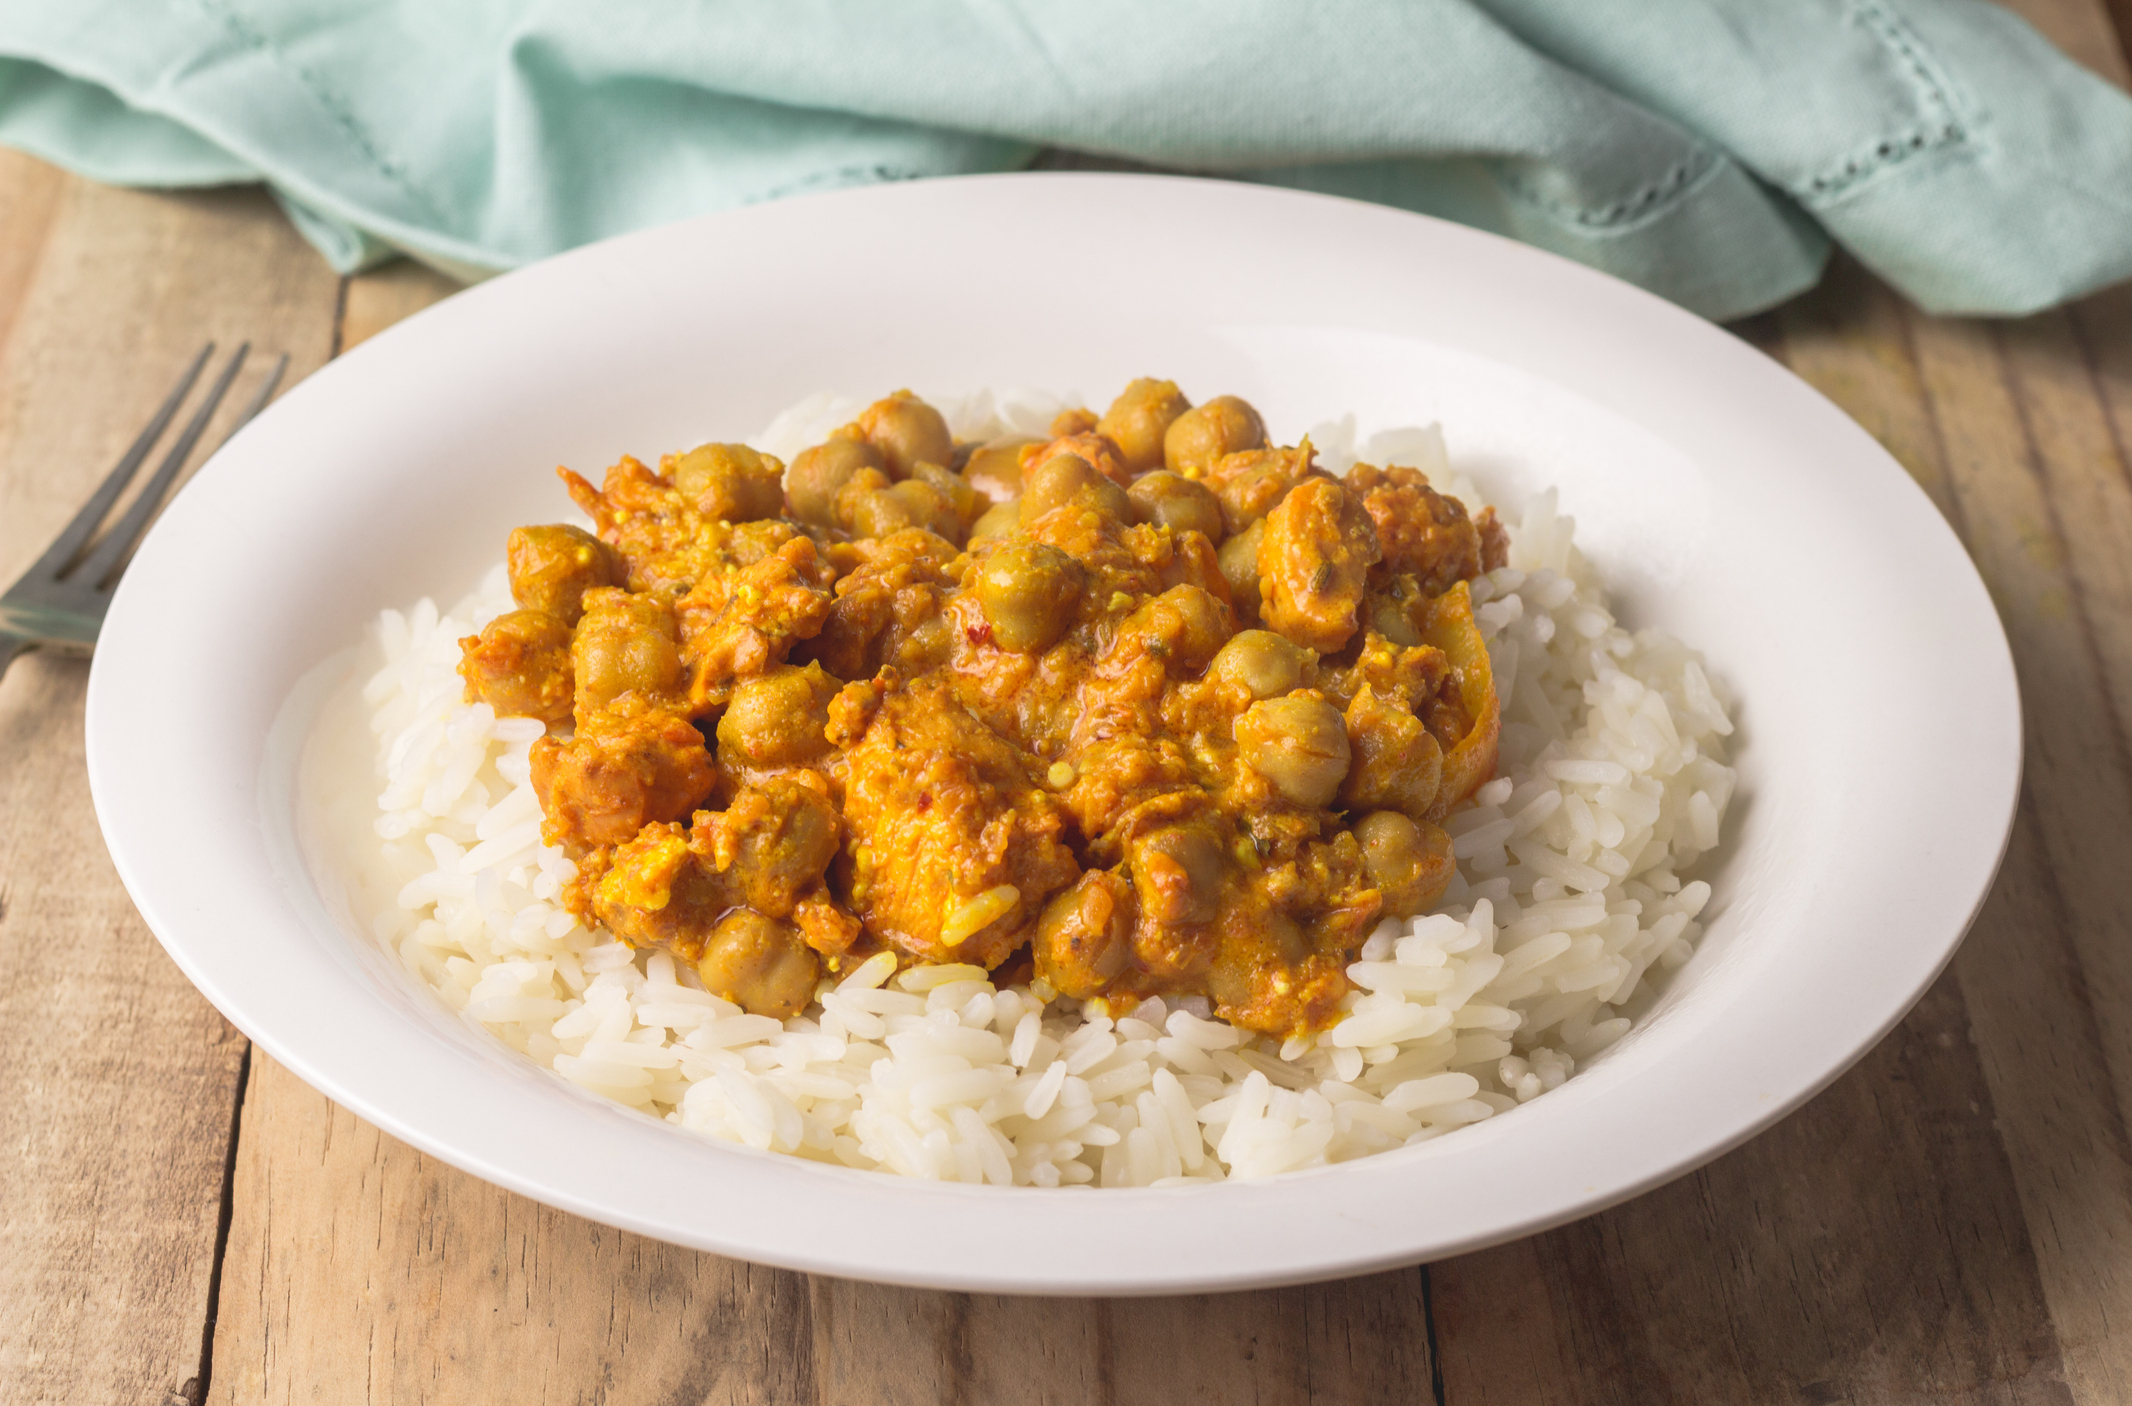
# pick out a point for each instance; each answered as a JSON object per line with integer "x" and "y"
{"x": 181, "y": 1220}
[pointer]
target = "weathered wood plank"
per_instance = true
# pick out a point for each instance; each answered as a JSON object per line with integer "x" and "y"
{"x": 2119, "y": 13}
{"x": 359, "y": 1270}
{"x": 29, "y": 198}
{"x": 2083, "y": 29}
{"x": 2064, "y": 1128}
{"x": 117, "y": 1081}
{"x": 2035, "y": 1025}
{"x": 2078, "y": 799}
{"x": 1038, "y": 1352}
{"x": 1867, "y": 1249}
{"x": 2037, "y": 1038}
{"x": 1211, "y": 1351}
{"x": 374, "y": 301}
{"x": 396, "y": 1278}
{"x": 2102, "y": 335}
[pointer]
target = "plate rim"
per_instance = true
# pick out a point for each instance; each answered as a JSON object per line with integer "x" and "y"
{"x": 105, "y": 711}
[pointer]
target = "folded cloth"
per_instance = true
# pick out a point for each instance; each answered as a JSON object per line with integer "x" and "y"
{"x": 1705, "y": 149}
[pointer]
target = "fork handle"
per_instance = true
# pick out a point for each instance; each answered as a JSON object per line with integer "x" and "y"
{"x": 10, "y": 646}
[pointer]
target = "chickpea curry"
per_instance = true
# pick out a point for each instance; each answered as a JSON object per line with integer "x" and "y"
{"x": 1149, "y": 706}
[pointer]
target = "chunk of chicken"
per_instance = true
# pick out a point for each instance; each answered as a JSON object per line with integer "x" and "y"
{"x": 893, "y": 591}
{"x": 623, "y": 770}
{"x": 1313, "y": 564}
{"x": 952, "y": 849}
{"x": 735, "y": 624}
{"x": 1421, "y": 532}
{"x": 1250, "y": 483}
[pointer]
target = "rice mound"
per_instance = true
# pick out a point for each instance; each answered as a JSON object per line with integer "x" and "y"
{"x": 1612, "y": 780}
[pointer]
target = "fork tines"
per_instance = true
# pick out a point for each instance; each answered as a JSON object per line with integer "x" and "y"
{"x": 60, "y": 600}
{"x": 94, "y": 569}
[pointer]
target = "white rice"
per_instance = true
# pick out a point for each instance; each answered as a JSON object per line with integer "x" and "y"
{"x": 1568, "y": 894}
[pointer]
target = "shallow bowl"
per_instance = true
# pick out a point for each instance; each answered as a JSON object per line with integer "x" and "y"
{"x": 1725, "y": 501}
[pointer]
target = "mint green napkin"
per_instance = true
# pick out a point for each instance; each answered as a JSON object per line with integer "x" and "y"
{"x": 1706, "y": 149}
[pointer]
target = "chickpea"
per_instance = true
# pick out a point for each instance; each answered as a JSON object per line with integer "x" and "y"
{"x": 1177, "y": 872}
{"x": 1299, "y": 743}
{"x": 551, "y": 568}
{"x": 1139, "y": 418}
{"x": 871, "y": 511}
{"x": 995, "y": 467}
{"x": 776, "y": 718}
{"x": 520, "y": 666}
{"x": 1195, "y": 439}
{"x": 1185, "y": 624}
{"x": 1031, "y": 593}
{"x": 749, "y": 542}
{"x": 1177, "y": 503}
{"x": 1101, "y": 454}
{"x": 759, "y": 964}
{"x": 1238, "y": 560}
{"x": 1068, "y": 478}
{"x": 818, "y": 474}
{"x": 625, "y": 644}
{"x": 926, "y": 646}
{"x": 965, "y": 502}
{"x": 1287, "y": 937}
{"x": 730, "y": 482}
{"x": 906, "y": 432}
{"x": 1085, "y": 936}
{"x": 934, "y": 510}
{"x": 999, "y": 520}
{"x": 1262, "y": 663}
{"x": 1410, "y": 864}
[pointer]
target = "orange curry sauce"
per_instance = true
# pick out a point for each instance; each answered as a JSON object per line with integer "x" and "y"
{"x": 1149, "y": 707}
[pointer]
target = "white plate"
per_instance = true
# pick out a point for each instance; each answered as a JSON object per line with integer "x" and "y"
{"x": 1879, "y": 729}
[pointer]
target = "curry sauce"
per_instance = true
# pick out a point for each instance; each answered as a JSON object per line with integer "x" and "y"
{"x": 1147, "y": 707}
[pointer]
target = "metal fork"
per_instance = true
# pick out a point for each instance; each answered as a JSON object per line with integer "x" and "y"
{"x": 60, "y": 601}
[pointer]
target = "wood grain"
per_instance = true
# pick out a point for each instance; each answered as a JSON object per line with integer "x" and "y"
{"x": 1868, "y": 1248}
{"x": 117, "y": 1081}
{"x": 1951, "y": 1222}
{"x": 2077, "y": 809}
{"x": 359, "y": 1270}
{"x": 2086, "y": 31}
{"x": 2032, "y": 1015}
{"x": 374, "y": 301}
